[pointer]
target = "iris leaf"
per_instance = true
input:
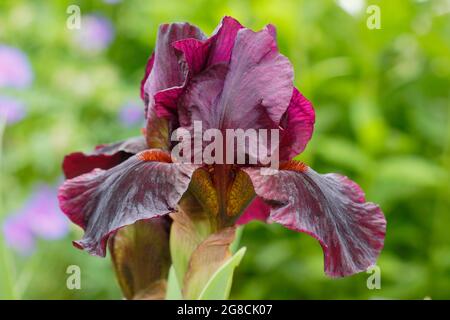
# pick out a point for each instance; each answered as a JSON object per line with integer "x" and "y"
{"x": 219, "y": 286}
{"x": 173, "y": 289}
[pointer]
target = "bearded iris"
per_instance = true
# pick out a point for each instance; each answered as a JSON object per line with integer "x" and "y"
{"x": 156, "y": 211}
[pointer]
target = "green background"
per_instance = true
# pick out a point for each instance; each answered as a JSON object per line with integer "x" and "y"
{"x": 382, "y": 110}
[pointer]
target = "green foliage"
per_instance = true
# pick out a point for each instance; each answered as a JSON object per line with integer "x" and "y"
{"x": 219, "y": 286}
{"x": 382, "y": 113}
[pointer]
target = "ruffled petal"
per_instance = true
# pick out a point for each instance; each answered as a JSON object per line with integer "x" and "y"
{"x": 104, "y": 157}
{"x": 148, "y": 70}
{"x": 195, "y": 53}
{"x": 298, "y": 125}
{"x": 222, "y": 42}
{"x": 258, "y": 84}
{"x": 253, "y": 92}
{"x": 202, "y": 93}
{"x": 329, "y": 207}
{"x": 199, "y": 55}
{"x": 166, "y": 71}
{"x": 103, "y": 201}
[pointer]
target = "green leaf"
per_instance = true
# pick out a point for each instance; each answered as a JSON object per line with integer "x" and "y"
{"x": 219, "y": 285}
{"x": 237, "y": 240}
{"x": 173, "y": 289}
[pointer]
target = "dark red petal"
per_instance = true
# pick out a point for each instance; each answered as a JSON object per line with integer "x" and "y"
{"x": 104, "y": 157}
{"x": 195, "y": 52}
{"x": 298, "y": 122}
{"x": 272, "y": 30}
{"x": 259, "y": 81}
{"x": 202, "y": 92}
{"x": 166, "y": 102}
{"x": 252, "y": 92}
{"x": 257, "y": 210}
{"x": 222, "y": 42}
{"x": 166, "y": 72}
{"x": 103, "y": 201}
{"x": 148, "y": 70}
{"x": 330, "y": 208}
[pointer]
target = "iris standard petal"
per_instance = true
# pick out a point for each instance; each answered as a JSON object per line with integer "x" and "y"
{"x": 148, "y": 70}
{"x": 147, "y": 185}
{"x": 223, "y": 41}
{"x": 329, "y": 207}
{"x": 259, "y": 82}
{"x": 166, "y": 71}
{"x": 298, "y": 125}
{"x": 201, "y": 54}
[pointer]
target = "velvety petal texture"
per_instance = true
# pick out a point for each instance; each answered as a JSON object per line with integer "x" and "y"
{"x": 257, "y": 210}
{"x": 253, "y": 91}
{"x": 329, "y": 207}
{"x": 104, "y": 157}
{"x": 166, "y": 71}
{"x": 297, "y": 125}
{"x": 102, "y": 201}
{"x": 148, "y": 70}
{"x": 259, "y": 82}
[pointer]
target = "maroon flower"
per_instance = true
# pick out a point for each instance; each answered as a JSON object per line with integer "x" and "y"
{"x": 236, "y": 79}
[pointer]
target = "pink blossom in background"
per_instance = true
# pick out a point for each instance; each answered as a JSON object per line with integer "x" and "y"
{"x": 15, "y": 68}
{"x": 111, "y": 1}
{"x": 11, "y": 110}
{"x": 96, "y": 33}
{"x": 131, "y": 113}
{"x": 40, "y": 217}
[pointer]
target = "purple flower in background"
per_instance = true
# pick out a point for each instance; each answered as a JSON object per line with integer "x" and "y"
{"x": 11, "y": 109}
{"x": 131, "y": 113}
{"x": 15, "y": 68}
{"x": 111, "y": 1}
{"x": 40, "y": 217}
{"x": 96, "y": 33}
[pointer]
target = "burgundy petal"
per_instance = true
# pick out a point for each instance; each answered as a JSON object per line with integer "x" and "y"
{"x": 258, "y": 83}
{"x": 166, "y": 102}
{"x": 257, "y": 210}
{"x": 252, "y": 92}
{"x": 223, "y": 41}
{"x": 298, "y": 122}
{"x": 272, "y": 30}
{"x": 329, "y": 207}
{"x": 202, "y": 93}
{"x": 104, "y": 157}
{"x": 200, "y": 54}
{"x": 148, "y": 70}
{"x": 195, "y": 52}
{"x": 103, "y": 201}
{"x": 166, "y": 71}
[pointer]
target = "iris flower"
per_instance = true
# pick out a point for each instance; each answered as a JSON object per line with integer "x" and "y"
{"x": 235, "y": 79}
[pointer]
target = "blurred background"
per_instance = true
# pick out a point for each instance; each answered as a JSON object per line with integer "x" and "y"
{"x": 382, "y": 110}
